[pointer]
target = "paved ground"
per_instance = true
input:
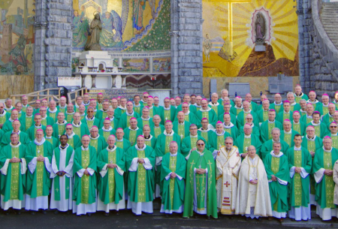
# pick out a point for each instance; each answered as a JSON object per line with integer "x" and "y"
{"x": 156, "y": 221}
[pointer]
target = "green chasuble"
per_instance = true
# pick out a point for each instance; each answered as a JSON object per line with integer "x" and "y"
{"x": 8, "y": 125}
{"x": 151, "y": 141}
{"x": 299, "y": 127}
{"x": 321, "y": 129}
{"x": 173, "y": 188}
{"x": 191, "y": 118}
{"x": 243, "y": 142}
{"x": 3, "y": 118}
{"x": 255, "y": 130}
{"x": 200, "y": 191}
{"x": 221, "y": 101}
{"x": 157, "y": 130}
{"x": 125, "y": 119}
{"x": 69, "y": 117}
{"x": 106, "y": 133}
{"x": 242, "y": 116}
{"x": 288, "y": 137}
{"x": 53, "y": 141}
{"x": 62, "y": 109}
{"x": 294, "y": 107}
{"x": 59, "y": 129}
{"x": 276, "y": 107}
{"x": 119, "y": 111}
{"x": 232, "y": 130}
{"x": 143, "y": 121}
{"x": 281, "y": 116}
{"x": 132, "y": 135}
{"x": 53, "y": 114}
{"x": 91, "y": 122}
{"x": 262, "y": 115}
{"x": 324, "y": 184}
{"x": 299, "y": 186}
{"x": 47, "y": 121}
{"x": 123, "y": 144}
{"x": 266, "y": 129}
{"x": 23, "y": 138}
{"x": 327, "y": 119}
{"x": 138, "y": 109}
{"x": 217, "y": 141}
{"x": 209, "y": 113}
{"x": 207, "y": 134}
{"x": 80, "y": 129}
{"x": 153, "y": 111}
{"x": 13, "y": 179}
{"x": 110, "y": 184}
{"x": 278, "y": 166}
{"x": 216, "y": 107}
{"x": 84, "y": 186}
{"x": 99, "y": 143}
{"x": 167, "y": 114}
{"x": 306, "y": 119}
{"x": 74, "y": 141}
{"x": 300, "y": 97}
{"x": 181, "y": 129}
{"x": 68, "y": 157}
{"x": 325, "y": 109}
{"x": 190, "y": 142}
{"x": 32, "y": 131}
{"x": 141, "y": 182}
{"x": 267, "y": 147}
{"x": 317, "y": 106}
{"x": 28, "y": 122}
{"x": 38, "y": 182}
{"x": 236, "y": 110}
{"x": 24, "y": 107}
{"x": 334, "y": 140}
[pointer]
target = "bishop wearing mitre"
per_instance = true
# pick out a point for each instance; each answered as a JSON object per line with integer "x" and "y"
{"x": 228, "y": 163}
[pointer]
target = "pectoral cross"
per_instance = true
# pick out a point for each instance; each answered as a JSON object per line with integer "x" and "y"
{"x": 227, "y": 184}
{"x": 181, "y": 136}
{"x": 166, "y": 118}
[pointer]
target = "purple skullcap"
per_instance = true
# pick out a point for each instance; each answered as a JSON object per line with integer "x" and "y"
{"x": 325, "y": 95}
{"x": 168, "y": 121}
{"x": 226, "y": 103}
{"x": 99, "y": 93}
{"x": 204, "y": 99}
{"x": 204, "y": 119}
{"x": 166, "y": 98}
{"x": 286, "y": 101}
{"x": 118, "y": 97}
{"x": 311, "y": 91}
{"x": 272, "y": 110}
{"x": 94, "y": 126}
{"x": 287, "y": 120}
{"x": 35, "y": 114}
{"x": 111, "y": 135}
{"x": 226, "y": 113}
{"x": 146, "y": 107}
{"x": 69, "y": 125}
{"x": 39, "y": 130}
{"x": 219, "y": 122}
{"x": 132, "y": 118}
{"x": 296, "y": 112}
{"x": 238, "y": 97}
{"x": 177, "y": 97}
{"x": 140, "y": 136}
{"x": 248, "y": 124}
{"x": 93, "y": 100}
{"x": 309, "y": 104}
{"x": 146, "y": 125}
{"x": 316, "y": 112}
{"x": 185, "y": 103}
{"x": 86, "y": 135}
{"x": 145, "y": 93}
{"x": 336, "y": 92}
{"x": 311, "y": 126}
{"x": 119, "y": 128}
{"x": 48, "y": 126}
{"x": 333, "y": 122}
{"x": 130, "y": 102}
{"x": 327, "y": 137}
{"x": 38, "y": 100}
{"x": 265, "y": 100}
{"x": 150, "y": 96}
{"x": 107, "y": 119}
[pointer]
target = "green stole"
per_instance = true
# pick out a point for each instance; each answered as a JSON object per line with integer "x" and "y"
{"x": 50, "y": 140}
{"x": 157, "y": 131}
{"x": 308, "y": 119}
{"x": 128, "y": 119}
{"x": 167, "y": 114}
{"x": 52, "y": 115}
{"x": 334, "y": 141}
{"x": 137, "y": 109}
{"x": 99, "y": 106}
{"x": 265, "y": 115}
{"x": 325, "y": 110}
{"x": 186, "y": 118}
{"x": 94, "y": 142}
{"x": 151, "y": 112}
{"x": 29, "y": 122}
{"x": 168, "y": 139}
{"x": 288, "y": 138}
{"x": 311, "y": 147}
{"x": 286, "y": 115}
{"x": 204, "y": 134}
{"x": 112, "y": 123}
{"x": 85, "y": 159}
{"x": 297, "y": 179}
{"x": 39, "y": 171}
{"x": 228, "y": 130}
{"x": 111, "y": 174}
{"x": 317, "y": 129}
{"x": 71, "y": 142}
{"x": 63, "y": 110}
{"x": 119, "y": 144}
{"x": 145, "y": 122}
{"x": 215, "y": 108}
{"x": 15, "y": 173}
{"x": 220, "y": 141}
{"x": 69, "y": 152}
{"x": 205, "y": 114}
{"x": 246, "y": 144}
{"x": 69, "y": 117}
{"x": 193, "y": 141}
{"x": 141, "y": 178}
{"x": 90, "y": 122}
{"x": 104, "y": 114}
{"x": 106, "y": 134}
{"x": 3, "y": 118}
{"x": 200, "y": 184}
{"x": 61, "y": 128}
{"x": 275, "y": 163}
{"x": 329, "y": 184}
{"x": 270, "y": 127}
{"x": 147, "y": 142}
{"x": 19, "y": 114}
{"x": 277, "y": 108}
{"x": 172, "y": 167}
{"x": 44, "y": 121}
{"x": 181, "y": 130}
{"x": 77, "y": 130}
{"x": 296, "y": 127}
{"x": 238, "y": 110}
{"x": 132, "y": 136}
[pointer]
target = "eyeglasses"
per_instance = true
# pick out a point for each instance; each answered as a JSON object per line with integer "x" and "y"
{"x": 228, "y": 143}
{"x": 333, "y": 126}
{"x": 90, "y": 111}
{"x": 200, "y": 144}
{"x": 68, "y": 128}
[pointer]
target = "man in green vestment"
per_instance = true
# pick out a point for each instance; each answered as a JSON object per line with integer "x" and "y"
{"x": 328, "y": 117}
{"x": 137, "y": 106}
{"x": 24, "y": 102}
{"x": 78, "y": 102}
{"x": 226, "y": 109}
{"x": 267, "y": 146}
{"x": 287, "y": 134}
{"x": 52, "y": 111}
{"x": 97, "y": 141}
{"x": 229, "y": 126}
{"x": 38, "y": 156}
{"x": 13, "y": 169}
{"x": 299, "y": 94}
{"x": 307, "y": 117}
{"x": 29, "y": 119}
{"x": 224, "y": 97}
{"x": 125, "y": 117}
{"x": 157, "y": 128}
{"x": 181, "y": 127}
{"x": 186, "y": 99}
{"x": 206, "y": 112}
{"x": 121, "y": 109}
{"x": 121, "y": 142}
{"x": 114, "y": 122}
{"x": 132, "y": 131}
{"x": 59, "y": 126}
{"x": 73, "y": 140}
{"x": 323, "y": 163}
{"x": 300, "y": 165}
{"x": 333, "y": 134}
{"x": 149, "y": 140}
{"x": 189, "y": 143}
{"x": 317, "y": 106}
{"x": 242, "y": 115}
{"x": 325, "y": 102}
{"x": 7, "y": 126}
{"x": 168, "y": 111}
{"x": 70, "y": 113}
{"x": 62, "y": 173}
{"x": 213, "y": 104}
{"x": 36, "y": 125}
{"x": 320, "y": 128}
{"x": 104, "y": 111}
{"x": 285, "y": 113}
{"x": 297, "y": 125}
{"x": 302, "y": 104}
{"x": 79, "y": 128}
{"x": 3, "y": 115}
{"x": 23, "y": 137}
{"x": 188, "y": 115}
{"x": 217, "y": 141}
{"x": 238, "y": 107}
{"x": 145, "y": 119}
{"x": 111, "y": 167}
{"x": 49, "y": 137}
{"x": 262, "y": 114}
{"x": 45, "y": 120}
{"x": 200, "y": 192}
{"x": 246, "y": 139}
{"x": 249, "y": 121}
{"x": 21, "y": 113}
{"x": 62, "y": 107}
{"x": 90, "y": 118}
{"x": 107, "y": 129}
{"x": 277, "y": 105}
{"x": 268, "y": 125}
{"x": 152, "y": 109}
{"x": 85, "y": 165}
{"x": 140, "y": 162}
{"x": 277, "y": 169}
{"x": 82, "y": 111}
{"x": 172, "y": 178}
{"x": 206, "y": 131}
{"x": 294, "y": 106}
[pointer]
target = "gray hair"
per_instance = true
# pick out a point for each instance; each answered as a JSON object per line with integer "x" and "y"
{"x": 275, "y": 129}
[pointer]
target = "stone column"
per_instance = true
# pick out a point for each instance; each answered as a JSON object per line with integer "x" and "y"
{"x": 93, "y": 81}
{"x": 83, "y": 79}
{"x": 124, "y": 81}
{"x": 113, "y": 81}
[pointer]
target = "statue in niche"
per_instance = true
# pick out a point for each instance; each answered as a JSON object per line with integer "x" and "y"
{"x": 93, "y": 43}
{"x": 260, "y": 29}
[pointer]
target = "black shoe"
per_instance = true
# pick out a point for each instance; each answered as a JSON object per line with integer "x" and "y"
{"x": 32, "y": 213}
{"x": 89, "y": 214}
{"x": 6, "y": 212}
{"x": 18, "y": 212}
{"x": 208, "y": 217}
{"x": 106, "y": 214}
{"x": 44, "y": 212}
{"x": 117, "y": 213}
{"x": 56, "y": 212}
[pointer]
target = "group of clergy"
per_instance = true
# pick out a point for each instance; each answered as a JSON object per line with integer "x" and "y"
{"x": 219, "y": 157}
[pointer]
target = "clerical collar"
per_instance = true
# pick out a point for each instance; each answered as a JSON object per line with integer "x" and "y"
{"x": 84, "y": 149}
{"x": 147, "y": 138}
{"x": 130, "y": 114}
{"x": 196, "y": 136}
{"x": 28, "y": 116}
{"x": 295, "y": 122}
{"x": 119, "y": 140}
{"x": 200, "y": 153}
{"x": 278, "y": 155}
{"x": 167, "y": 108}
{"x": 214, "y": 104}
{"x": 309, "y": 101}
{"x": 9, "y": 108}
{"x": 15, "y": 146}
{"x": 275, "y": 141}
{"x": 52, "y": 111}
{"x": 86, "y": 104}
{"x": 173, "y": 155}
{"x": 111, "y": 119}
{"x": 76, "y": 125}
{"x": 208, "y": 109}
{"x": 63, "y": 123}
{"x": 302, "y": 111}
{"x": 70, "y": 113}
{"x": 247, "y": 136}
{"x": 247, "y": 112}
{"x": 293, "y": 104}
{"x": 315, "y": 124}
{"x": 187, "y": 113}
{"x": 18, "y": 133}
{"x": 308, "y": 116}
{"x": 143, "y": 148}
{"x": 38, "y": 127}
{"x": 241, "y": 107}
{"x": 39, "y": 143}
{"x": 90, "y": 119}
{"x": 327, "y": 151}
{"x": 310, "y": 139}
{"x": 170, "y": 134}
{"x": 333, "y": 134}
{"x": 180, "y": 123}
{"x": 228, "y": 126}
{"x": 297, "y": 148}
{"x": 145, "y": 119}
{"x": 107, "y": 130}
{"x": 286, "y": 112}
{"x": 271, "y": 121}
{"x": 220, "y": 133}
{"x": 50, "y": 137}
{"x": 10, "y": 119}
{"x": 122, "y": 108}
{"x": 71, "y": 135}
{"x": 65, "y": 147}
{"x": 326, "y": 105}
{"x": 150, "y": 107}
{"x": 43, "y": 118}
{"x": 97, "y": 137}
{"x": 288, "y": 132}
{"x": 133, "y": 129}
{"x": 3, "y": 113}
{"x": 23, "y": 105}
{"x": 278, "y": 104}
{"x": 63, "y": 107}
{"x": 201, "y": 129}
{"x": 111, "y": 149}
{"x": 300, "y": 95}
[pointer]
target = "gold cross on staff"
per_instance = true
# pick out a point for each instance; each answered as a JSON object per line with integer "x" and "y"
{"x": 230, "y": 22}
